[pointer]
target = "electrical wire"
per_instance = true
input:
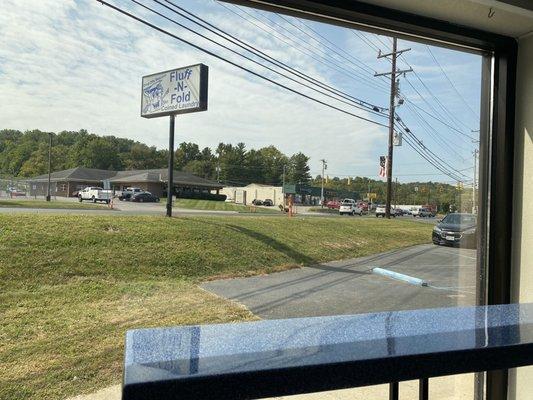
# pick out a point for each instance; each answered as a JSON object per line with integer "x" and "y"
{"x": 321, "y": 59}
{"x": 159, "y": 29}
{"x": 451, "y": 83}
{"x": 250, "y": 59}
{"x": 257, "y": 52}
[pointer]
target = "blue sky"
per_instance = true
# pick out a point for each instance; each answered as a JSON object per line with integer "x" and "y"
{"x": 67, "y": 65}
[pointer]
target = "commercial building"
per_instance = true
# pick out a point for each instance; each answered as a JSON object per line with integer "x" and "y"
{"x": 253, "y": 191}
{"x": 303, "y": 194}
{"x": 67, "y": 182}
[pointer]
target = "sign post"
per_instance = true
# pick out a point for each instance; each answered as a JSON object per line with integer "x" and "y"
{"x": 168, "y": 93}
{"x": 170, "y": 183}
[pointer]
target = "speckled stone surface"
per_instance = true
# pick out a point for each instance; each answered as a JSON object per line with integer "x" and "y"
{"x": 278, "y": 357}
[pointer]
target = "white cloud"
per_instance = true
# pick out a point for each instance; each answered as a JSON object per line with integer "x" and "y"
{"x": 67, "y": 65}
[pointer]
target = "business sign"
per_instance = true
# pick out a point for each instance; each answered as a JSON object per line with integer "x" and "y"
{"x": 289, "y": 188}
{"x": 177, "y": 91}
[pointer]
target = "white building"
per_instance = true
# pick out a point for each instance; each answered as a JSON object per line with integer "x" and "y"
{"x": 247, "y": 194}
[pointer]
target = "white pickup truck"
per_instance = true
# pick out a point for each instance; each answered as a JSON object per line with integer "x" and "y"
{"x": 94, "y": 194}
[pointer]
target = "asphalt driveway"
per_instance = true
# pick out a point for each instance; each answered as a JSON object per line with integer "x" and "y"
{"x": 350, "y": 287}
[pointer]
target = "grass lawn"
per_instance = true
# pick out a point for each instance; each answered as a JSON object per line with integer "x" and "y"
{"x": 66, "y": 205}
{"x": 324, "y": 210}
{"x": 221, "y": 206}
{"x": 66, "y": 299}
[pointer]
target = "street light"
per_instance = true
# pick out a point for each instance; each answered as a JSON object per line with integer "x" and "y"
{"x": 49, "y": 165}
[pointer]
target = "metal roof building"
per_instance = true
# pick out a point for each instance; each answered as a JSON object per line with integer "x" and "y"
{"x": 67, "y": 182}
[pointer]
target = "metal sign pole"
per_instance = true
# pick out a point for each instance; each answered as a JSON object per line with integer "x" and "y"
{"x": 170, "y": 184}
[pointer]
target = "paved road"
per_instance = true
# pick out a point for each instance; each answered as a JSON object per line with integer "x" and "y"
{"x": 157, "y": 209}
{"x": 350, "y": 287}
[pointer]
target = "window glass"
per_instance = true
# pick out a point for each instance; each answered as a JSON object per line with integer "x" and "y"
{"x": 302, "y": 119}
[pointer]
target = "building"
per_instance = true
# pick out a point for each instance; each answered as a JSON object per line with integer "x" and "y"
{"x": 254, "y": 191}
{"x": 155, "y": 182}
{"x": 66, "y": 183}
{"x": 308, "y": 195}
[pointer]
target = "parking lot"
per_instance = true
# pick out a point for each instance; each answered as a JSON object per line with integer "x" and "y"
{"x": 350, "y": 286}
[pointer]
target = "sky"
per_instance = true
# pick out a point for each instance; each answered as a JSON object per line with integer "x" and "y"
{"x": 70, "y": 65}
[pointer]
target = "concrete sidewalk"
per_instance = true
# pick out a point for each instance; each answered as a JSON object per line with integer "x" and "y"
{"x": 456, "y": 387}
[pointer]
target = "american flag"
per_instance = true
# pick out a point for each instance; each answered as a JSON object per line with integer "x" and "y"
{"x": 382, "y": 166}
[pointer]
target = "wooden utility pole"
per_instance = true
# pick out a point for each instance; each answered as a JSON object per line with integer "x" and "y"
{"x": 324, "y": 167}
{"x": 393, "y": 94}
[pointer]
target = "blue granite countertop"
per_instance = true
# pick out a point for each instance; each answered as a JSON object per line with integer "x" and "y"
{"x": 277, "y": 357}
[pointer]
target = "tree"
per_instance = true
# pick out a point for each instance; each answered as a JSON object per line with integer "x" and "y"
{"x": 298, "y": 171}
{"x": 186, "y": 153}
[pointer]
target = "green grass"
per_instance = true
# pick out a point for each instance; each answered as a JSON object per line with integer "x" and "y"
{"x": 66, "y": 299}
{"x": 64, "y": 205}
{"x": 324, "y": 210}
{"x": 221, "y": 206}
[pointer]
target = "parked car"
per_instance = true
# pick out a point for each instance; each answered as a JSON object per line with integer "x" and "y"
{"x": 333, "y": 204}
{"x": 456, "y": 230}
{"x": 127, "y": 194}
{"x": 363, "y": 205}
{"x": 268, "y": 203}
{"x": 421, "y": 212}
{"x": 349, "y": 206}
{"x": 257, "y": 202}
{"x": 145, "y": 197}
{"x": 380, "y": 211}
{"x": 94, "y": 194}
{"x": 432, "y": 208}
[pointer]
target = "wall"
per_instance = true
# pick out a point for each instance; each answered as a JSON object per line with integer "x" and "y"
{"x": 520, "y": 384}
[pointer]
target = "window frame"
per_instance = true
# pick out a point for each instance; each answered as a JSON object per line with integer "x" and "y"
{"x": 498, "y": 75}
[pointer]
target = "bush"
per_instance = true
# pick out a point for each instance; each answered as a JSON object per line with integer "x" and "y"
{"x": 201, "y": 196}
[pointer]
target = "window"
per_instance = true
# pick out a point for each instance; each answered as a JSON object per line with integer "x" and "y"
{"x": 305, "y": 114}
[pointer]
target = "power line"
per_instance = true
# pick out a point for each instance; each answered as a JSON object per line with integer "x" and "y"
{"x": 157, "y": 28}
{"x": 257, "y": 52}
{"x": 335, "y": 47}
{"x": 369, "y": 108}
{"x": 451, "y": 83}
{"x": 444, "y": 171}
{"x": 349, "y": 62}
{"x": 437, "y": 119}
{"x": 328, "y": 63}
{"x": 434, "y": 134}
{"x": 449, "y": 114}
{"x": 433, "y": 158}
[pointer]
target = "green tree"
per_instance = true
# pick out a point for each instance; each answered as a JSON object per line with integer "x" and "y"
{"x": 298, "y": 171}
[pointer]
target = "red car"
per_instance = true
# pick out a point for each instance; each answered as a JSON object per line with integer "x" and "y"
{"x": 363, "y": 206}
{"x": 333, "y": 204}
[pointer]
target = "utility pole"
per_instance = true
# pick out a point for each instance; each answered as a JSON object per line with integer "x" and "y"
{"x": 474, "y": 183}
{"x": 396, "y": 193}
{"x": 49, "y": 165}
{"x": 324, "y": 167}
{"x": 393, "y": 93}
{"x": 283, "y": 186}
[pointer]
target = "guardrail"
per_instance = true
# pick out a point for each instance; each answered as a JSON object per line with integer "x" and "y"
{"x": 285, "y": 357}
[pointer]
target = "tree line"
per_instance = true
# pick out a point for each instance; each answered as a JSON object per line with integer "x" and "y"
{"x": 25, "y": 154}
{"x": 443, "y": 195}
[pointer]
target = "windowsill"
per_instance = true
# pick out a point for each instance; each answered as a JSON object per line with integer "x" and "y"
{"x": 282, "y": 357}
